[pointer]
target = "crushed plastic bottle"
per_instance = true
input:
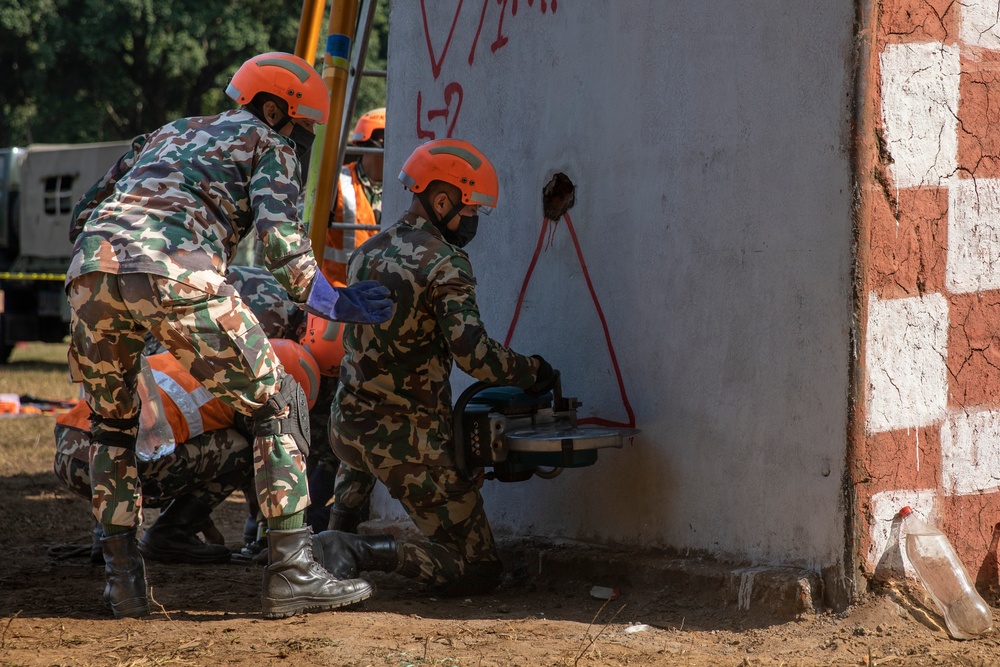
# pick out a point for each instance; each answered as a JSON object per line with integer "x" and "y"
{"x": 155, "y": 438}
{"x": 945, "y": 578}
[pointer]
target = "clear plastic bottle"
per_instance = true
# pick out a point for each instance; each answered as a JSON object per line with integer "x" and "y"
{"x": 945, "y": 578}
{"x": 155, "y": 438}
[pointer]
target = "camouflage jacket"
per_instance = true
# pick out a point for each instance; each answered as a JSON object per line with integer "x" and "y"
{"x": 394, "y": 400}
{"x": 261, "y": 293}
{"x": 180, "y": 200}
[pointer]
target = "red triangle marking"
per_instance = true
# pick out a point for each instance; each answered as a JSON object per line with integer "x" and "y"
{"x": 600, "y": 314}
{"x": 436, "y": 63}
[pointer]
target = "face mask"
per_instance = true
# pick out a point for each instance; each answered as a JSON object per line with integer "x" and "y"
{"x": 303, "y": 139}
{"x": 467, "y": 227}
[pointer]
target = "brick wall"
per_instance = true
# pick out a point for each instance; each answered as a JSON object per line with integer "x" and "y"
{"x": 927, "y": 429}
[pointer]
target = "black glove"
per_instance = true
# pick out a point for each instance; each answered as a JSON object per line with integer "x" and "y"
{"x": 545, "y": 378}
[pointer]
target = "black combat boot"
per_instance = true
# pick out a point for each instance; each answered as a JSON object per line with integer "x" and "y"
{"x": 173, "y": 537}
{"x": 125, "y": 573}
{"x": 348, "y": 555}
{"x": 294, "y": 582}
{"x": 344, "y": 519}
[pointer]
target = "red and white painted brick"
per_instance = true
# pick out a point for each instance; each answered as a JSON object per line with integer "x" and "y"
{"x": 929, "y": 275}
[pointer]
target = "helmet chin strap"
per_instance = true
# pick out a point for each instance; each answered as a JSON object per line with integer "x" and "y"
{"x": 429, "y": 209}
{"x": 280, "y": 125}
{"x": 259, "y": 113}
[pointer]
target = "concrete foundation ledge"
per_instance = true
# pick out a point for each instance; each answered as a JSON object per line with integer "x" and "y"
{"x": 778, "y": 594}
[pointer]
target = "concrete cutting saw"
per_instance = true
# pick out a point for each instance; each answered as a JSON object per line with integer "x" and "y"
{"x": 519, "y": 436}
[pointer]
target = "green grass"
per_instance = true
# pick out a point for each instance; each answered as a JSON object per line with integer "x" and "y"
{"x": 26, "y": 442}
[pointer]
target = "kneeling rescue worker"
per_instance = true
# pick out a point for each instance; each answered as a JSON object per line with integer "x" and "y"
{"x": 153, "y": 240}
{"x": 391, "y": 416}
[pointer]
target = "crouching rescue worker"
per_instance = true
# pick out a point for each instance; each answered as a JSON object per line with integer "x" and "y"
{"x": 212, "y": 458}
{"x": 391, "y": 416}
{"x": 358, "y": 202}
{"x": 153, "y": 240}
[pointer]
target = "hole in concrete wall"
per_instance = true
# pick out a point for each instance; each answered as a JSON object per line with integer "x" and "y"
{"x": 558, "y": 196}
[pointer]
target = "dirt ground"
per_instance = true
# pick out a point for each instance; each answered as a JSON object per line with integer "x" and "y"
{"x": 51, "y": 611}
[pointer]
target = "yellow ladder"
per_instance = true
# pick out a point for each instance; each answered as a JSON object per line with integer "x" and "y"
{"x": 343, "y": 70}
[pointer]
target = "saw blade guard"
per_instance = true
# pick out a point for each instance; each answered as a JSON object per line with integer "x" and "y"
{"x": 518, "y": 435}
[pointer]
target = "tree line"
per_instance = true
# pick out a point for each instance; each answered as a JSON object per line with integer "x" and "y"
{"x": 76, "y": 71}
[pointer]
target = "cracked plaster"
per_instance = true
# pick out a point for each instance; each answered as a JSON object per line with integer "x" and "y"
{"x": 920, "y": 102}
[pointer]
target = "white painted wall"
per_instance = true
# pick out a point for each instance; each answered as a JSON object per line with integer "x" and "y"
{"x": 709, "y": 145}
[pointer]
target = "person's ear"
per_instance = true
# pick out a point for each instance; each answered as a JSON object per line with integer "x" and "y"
{"x": 440, "y": 202}
{"x": 270, "y": 112}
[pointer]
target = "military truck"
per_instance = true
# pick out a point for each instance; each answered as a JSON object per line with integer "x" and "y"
{"x": 39, "y": 186}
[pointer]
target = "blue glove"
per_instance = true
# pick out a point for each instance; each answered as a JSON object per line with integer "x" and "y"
{"x": 365, "y": 302}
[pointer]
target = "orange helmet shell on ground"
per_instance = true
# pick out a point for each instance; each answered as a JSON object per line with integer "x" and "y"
{"x": 300, "y": 365}
{"x": 322, "y": 339}
{"x": 456, "y": 162}
{"x": 286, "y": 76}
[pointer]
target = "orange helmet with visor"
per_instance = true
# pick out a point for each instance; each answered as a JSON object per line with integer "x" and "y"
{"x": 287, "y": 77}
{"x": 456, "y": 162}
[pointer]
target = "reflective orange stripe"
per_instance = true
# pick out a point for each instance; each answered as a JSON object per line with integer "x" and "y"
{"x": 192, "y": 404}
{"x": 211, "y": 413}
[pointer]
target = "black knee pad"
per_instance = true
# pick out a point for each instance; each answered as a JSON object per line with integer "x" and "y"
{"x": 265, "y": 420}
{"x": 123, "y": 433}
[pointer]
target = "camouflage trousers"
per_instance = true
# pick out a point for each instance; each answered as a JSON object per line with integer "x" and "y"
{"x": 209, "y": 467}
{"x": 215, "y": 336}
{"x": 444, "y": 504}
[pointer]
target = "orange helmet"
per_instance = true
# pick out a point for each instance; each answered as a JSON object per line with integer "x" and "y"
{"x": 285, "y": 76}
{"x": 368, "y": 123}
{"x": 300, "y": 365}
{"x": 322, "y": 338}
{"x": 456, "y": 162}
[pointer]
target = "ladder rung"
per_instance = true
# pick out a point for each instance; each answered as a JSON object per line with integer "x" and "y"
{"x": 344, "y": 225}
{"x": 374, "y": 72}
{"x": 364, "y": 150}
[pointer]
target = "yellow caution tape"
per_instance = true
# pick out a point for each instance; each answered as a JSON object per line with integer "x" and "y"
{"x": 61, "y": 277}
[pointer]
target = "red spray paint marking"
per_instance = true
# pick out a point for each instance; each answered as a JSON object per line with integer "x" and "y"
{"x": 600, "y": 314}
{"x": 436, "y": 63}
{"x": 501, "y": 40}
{"x": 452, "y": 91}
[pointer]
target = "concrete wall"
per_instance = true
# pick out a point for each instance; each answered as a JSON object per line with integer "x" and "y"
{"x": 928, "y": 431}
{"x": 709, "y": 144}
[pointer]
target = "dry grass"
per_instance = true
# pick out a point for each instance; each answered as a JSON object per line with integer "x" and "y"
{"x": 38, "y": 370}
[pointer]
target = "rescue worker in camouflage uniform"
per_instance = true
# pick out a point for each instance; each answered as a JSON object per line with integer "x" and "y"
{"x": 153, "y": 241}
{"x": 358, "y": 202}
{"x": 212, "y": 459}
{"x": 279, "y": 318}
{"x": 392, "y": 414}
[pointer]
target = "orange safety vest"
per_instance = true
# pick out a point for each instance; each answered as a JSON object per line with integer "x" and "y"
{"x": 353, "y": 208}
{"x": 190, "y": 409}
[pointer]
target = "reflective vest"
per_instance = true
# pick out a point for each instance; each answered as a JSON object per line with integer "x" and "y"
{"x": 190, "y": 409}
{"x": 353, "y": 208}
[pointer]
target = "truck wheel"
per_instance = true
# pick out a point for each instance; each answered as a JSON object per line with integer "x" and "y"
{"x": 5, "y": 348}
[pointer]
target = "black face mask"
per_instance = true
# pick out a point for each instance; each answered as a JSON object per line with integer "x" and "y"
{"x": 303, "y": 139}
{"x": 467, "y": 227}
